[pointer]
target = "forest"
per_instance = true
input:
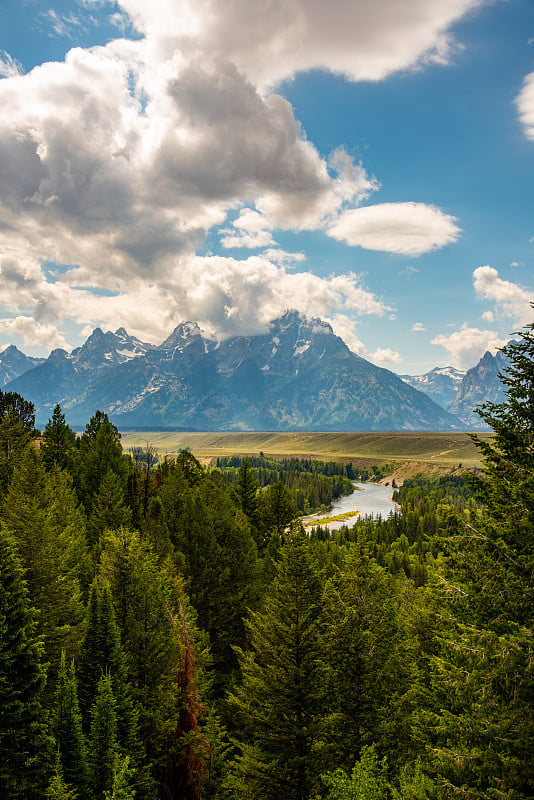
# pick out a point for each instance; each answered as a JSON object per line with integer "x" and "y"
{"x": 168, "y": 631}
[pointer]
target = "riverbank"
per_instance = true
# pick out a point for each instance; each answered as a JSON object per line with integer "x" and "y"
{"x": 368, "y": 499}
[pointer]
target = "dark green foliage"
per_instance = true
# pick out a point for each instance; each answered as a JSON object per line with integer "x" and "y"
{"x": 23, "y": 410}
{"x": 277, "y": 510}
{"x": 109, "y": 510}
{"x": 247, "y": 490}
{"x": 100, "y": 452}
{"x": 366, "y": 662}
{"x": 214, "y": 540}
{"x": 59, "y": 442}
{"x": 24, "y": 746}
{"x": 142, "y": 594}
{"x": 483, "y": 688}
{"x": 101, "y": 654}
{"x": 58, "y": 789}
{"x": 311, "y": 484}
{"x": 14, "y": 438}
{"x": 276, "y": 705}
{"x": 67, "y": 730}
{"x": 39, "y": 511}
{"x": 103, "y": 746}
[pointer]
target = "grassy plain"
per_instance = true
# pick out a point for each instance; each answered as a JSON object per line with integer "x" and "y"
{"x": 410, "y": 452}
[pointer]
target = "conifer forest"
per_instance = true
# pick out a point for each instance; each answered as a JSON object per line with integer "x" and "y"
{"x": 169, "y": 631}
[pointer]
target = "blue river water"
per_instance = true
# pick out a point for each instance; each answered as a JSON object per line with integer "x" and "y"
{"x": 368, "y": 499}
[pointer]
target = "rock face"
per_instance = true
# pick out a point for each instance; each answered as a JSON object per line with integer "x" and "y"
{"x": 64, "y": 376}
{"x": 297, "y": 376}
{"x": 441, "y": 384}
{"x": 14, "y": 363}
{"x": 481, "y": 383}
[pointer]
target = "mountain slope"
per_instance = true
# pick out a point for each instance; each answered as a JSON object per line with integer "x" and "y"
{"x": 441, "y": 384}
{"x": 481, "y": 383}
{"x": 298, "y": 376}
{"x": 14, "y": 363}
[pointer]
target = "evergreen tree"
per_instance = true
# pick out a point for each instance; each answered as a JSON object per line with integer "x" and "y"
{"x": 59, "y": 442}
{"x": 58, "y": 789}
{"x": 14, "y": 438}
{"x": 276, "y": 704}
{"x": 218, "y": 560}
{"x": 103, "y": 740}
{"x": 100, "y": 451}
{"x": 24, "y": 745}
{"x": 67, "y": 730}
{"x": 38, "y": 512}
{"x": 247, "y": 489}
{"x": 101, "y": 653}
{"x": 276, "y": 510}
{"x": 483, "y": 712}
{"x": 108, "y": 509}
{"x": 365, "y": 662}
{"x": 142, "y": 597}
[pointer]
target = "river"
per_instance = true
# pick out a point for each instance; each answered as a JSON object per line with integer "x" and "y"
{"x": 368, "y": 499}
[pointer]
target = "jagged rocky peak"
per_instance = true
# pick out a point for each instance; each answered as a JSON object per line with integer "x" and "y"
{"x": 299, "y": 323}
{"x": 182, "y": 336}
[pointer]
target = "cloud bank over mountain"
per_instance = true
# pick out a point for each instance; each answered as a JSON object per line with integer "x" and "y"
{"x": 118, "y": 163}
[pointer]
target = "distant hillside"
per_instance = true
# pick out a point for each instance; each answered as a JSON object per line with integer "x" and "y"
{"x": 297, "y": 376}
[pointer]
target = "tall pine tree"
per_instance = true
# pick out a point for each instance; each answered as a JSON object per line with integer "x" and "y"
{"x": 24, "y": 744}
{"x": 276, "y": 704}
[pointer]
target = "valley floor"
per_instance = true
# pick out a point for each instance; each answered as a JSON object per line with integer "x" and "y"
{"x": 408, "y": 453}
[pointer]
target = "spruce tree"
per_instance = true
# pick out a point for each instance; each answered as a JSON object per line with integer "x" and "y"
{"x": 59, "y": 442}
{"x": 247, "y": 489}
{"x": 276, "y": 704}
{"x": 366, "y": 662}
{"x": 103, "y": 739}
{"x": 483, "y": 677}
{"x": 39, "y": 513}
{"x": 24, "y": 744}
{"x": 100, "y": 451}
{"x": 67, "y": 730}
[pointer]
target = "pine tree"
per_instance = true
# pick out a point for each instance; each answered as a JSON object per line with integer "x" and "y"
{"x": 59, "y": 442}
{"x": 101, "y": 653}
{"x": 24, "y": 744}
{"x": 483, "y": 714}
{"x": 141, "y": 593}
{"x": 247, "y": 489}
{"x": 276, "y": 704}
{"x": 365, "y": 672}
{"x": 103, "y": 739}
{"x": 276, "y": 510}
{"x": 58, "y": 789}
{"x": 14, "y": 438}
{"x": 108, "y": 509}
{"x": 100, "y": 451}
{"x": 67, "y": 730}
{"x": 38, "y": 512}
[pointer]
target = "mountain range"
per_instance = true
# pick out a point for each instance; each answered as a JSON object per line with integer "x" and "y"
{"x": 297, "y": 376}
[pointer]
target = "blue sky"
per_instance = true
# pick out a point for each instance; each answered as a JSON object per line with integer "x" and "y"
{"x": 369, "y": 162}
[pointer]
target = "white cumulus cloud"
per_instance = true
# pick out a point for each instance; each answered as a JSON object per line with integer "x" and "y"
{"x": 404, "y": 228}
{"x": 365, "y": 40}
{"x": 116, "y": 163}
{"x": 418, "y": 327}
{"x": 510, "y": 299}
{"x": 385, "y": 355}
{"x": 525, "y": 105}
{"x": 467, "y": 346}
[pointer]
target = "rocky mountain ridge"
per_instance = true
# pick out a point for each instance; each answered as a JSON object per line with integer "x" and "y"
{"x": 297, "y": 376}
